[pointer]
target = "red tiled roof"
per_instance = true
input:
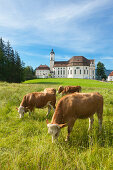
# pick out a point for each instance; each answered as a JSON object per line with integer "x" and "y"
{"x": 78, "y": 60}
{"x": 60, "y": 63}
{"x": 74, "y": 61}
{"x": 43, "y": 67}
{"x": 111, "y": 74}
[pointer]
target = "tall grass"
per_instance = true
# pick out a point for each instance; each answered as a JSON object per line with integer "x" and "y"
{"x": 25, "y": 143}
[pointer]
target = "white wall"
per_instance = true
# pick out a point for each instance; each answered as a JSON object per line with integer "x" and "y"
{"x": 42, "y": 73}
{"x": 78, "y": 72}
{"x": 60, "y": 72}
{"x": 110, "y": 78}
{"x": 83, "y": 72}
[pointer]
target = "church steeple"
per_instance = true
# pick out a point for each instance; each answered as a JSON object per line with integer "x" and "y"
{"x": 52, "y": 59}
{"x": 52, "y": 52}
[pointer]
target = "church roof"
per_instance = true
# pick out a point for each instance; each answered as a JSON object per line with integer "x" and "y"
{"x": 60, "y": 63}
{"x": 74, "y": 61}
{"x": 79, "y": 60}
{"x": 43, "y": 67}
{"x": 111, "y": 74}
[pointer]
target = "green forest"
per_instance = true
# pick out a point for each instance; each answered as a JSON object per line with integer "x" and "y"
{"x": 12, "y": 69}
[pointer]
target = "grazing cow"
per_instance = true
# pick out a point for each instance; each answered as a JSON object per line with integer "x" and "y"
{"x": 75, "y": 106}
{"x": 69, "y": 89}
{"x": 60, "y": 89}
{"x": 37, "y": 100}
{"x": 50, "y": 90}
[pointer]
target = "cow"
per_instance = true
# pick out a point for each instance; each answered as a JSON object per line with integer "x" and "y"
{"x": 68, "y": 89}
{"x": 60, "y": 89}
{"x": 75, "y": 106}
{"x": 37, "y": 100}
{"x": 50, "y": 90}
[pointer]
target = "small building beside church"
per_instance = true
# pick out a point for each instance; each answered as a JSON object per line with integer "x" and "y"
{"x": 76, "y": 67}
{"x": 110, "y": 77}
{"x": 42, "y": 71}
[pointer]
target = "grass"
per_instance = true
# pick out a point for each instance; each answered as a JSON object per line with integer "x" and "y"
{"x": 25, "y": 143}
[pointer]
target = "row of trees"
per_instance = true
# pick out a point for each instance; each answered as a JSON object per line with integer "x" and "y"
{"x": 12, "y": 69}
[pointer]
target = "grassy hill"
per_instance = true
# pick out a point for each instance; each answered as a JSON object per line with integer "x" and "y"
{"x": 25, "y": 143}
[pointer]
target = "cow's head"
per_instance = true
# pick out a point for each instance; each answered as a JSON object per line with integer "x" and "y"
{"x": 54, "y": 129}
{"x": 21, "y": 111}
{"x": 60, "y": 89}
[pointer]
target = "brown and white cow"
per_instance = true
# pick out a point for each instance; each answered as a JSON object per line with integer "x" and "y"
{"x": 37, "y": 100}
{"x": 75, "y": 106}
{"x": 68, "y": 89}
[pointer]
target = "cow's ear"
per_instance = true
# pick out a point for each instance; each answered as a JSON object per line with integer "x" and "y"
{"x": 63, "y": 125}
{"x": 47, "y": 121}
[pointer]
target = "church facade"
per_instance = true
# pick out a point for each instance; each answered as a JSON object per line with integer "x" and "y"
{"x": 76, "y": 67}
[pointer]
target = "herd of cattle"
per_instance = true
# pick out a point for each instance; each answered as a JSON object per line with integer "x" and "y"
{"x": 72, "y": 106}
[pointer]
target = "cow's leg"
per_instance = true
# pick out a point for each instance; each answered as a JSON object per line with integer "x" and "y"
{"x": 91, "y": 120}
{"x": 70, "y": 127}
{"x": 53, "y": 107}
{"x": 31, "y": 110}
{"x": 49, "y": 109}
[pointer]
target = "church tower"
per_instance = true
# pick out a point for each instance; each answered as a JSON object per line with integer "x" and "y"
{"x": 52, "y": 59}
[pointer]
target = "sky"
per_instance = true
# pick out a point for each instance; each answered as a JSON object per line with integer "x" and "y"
{"x": 70, "y": 27}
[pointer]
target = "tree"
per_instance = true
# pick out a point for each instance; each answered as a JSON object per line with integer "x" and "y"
{"x": 9, "y": 56}
{"x": 101, "y": 71}
{"x": 29, "y": 73}
{"x": 2, "y": 60}
{"x": 19, "y": 68}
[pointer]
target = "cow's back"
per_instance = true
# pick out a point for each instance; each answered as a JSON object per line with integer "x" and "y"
{"x": 80, "y": 105}
{"x": 72, "y": 89}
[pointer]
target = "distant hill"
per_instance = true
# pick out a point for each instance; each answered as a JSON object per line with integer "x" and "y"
{"x": 108, "y": 72}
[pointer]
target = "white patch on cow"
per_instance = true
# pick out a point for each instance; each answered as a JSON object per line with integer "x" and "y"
{"x": 21, "y": 111}
{"x": 53, "y": 130}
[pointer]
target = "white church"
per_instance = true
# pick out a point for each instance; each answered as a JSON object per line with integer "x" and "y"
{"x": 76, "y": 67}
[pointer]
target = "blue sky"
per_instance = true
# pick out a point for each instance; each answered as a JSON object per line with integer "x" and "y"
{"x": 70, "y": 27}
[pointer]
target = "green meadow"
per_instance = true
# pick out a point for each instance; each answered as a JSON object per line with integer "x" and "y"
{"x": 26, "y": 144}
